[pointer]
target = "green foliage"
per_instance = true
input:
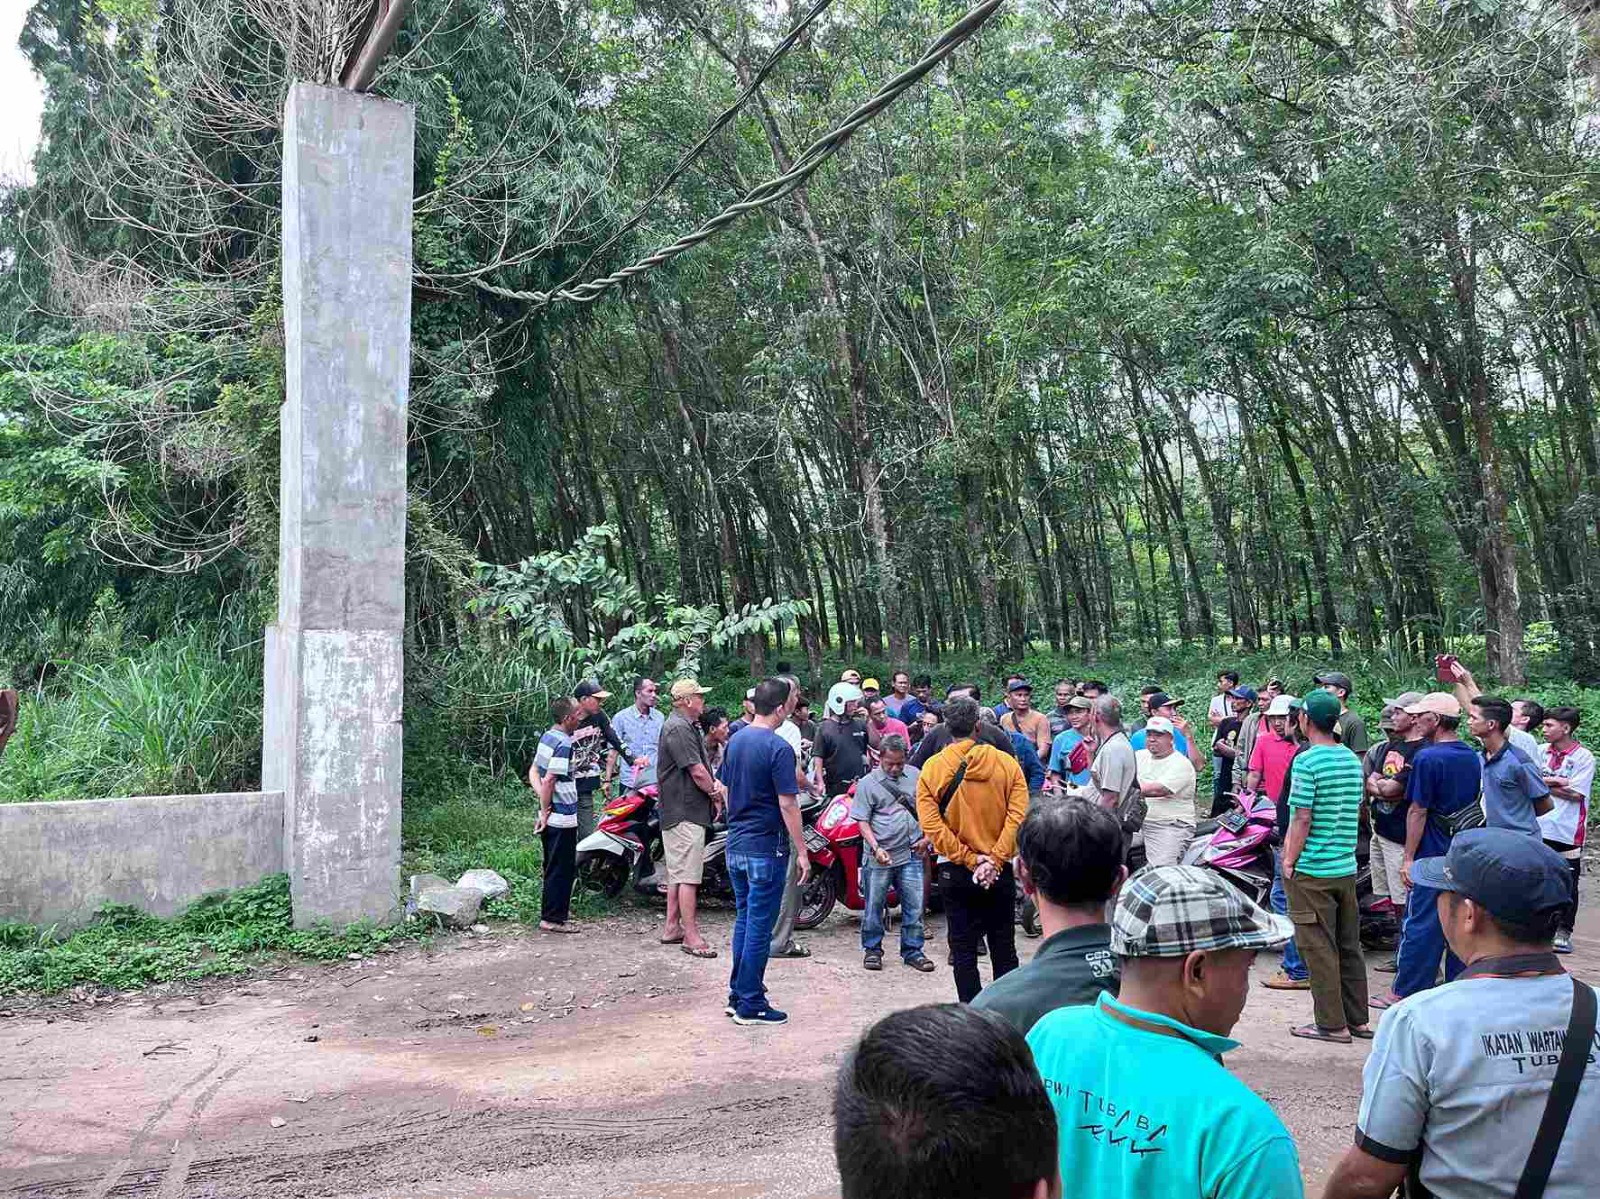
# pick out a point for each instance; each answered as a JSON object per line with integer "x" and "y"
{"x": 553, "y": 600}
{"x": 218, "y": 935}
{"x": 180, "y": 716}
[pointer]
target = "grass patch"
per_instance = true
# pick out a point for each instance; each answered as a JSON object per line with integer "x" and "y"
{"x": 219, "y": 935}
{"x": 490, "y": 826}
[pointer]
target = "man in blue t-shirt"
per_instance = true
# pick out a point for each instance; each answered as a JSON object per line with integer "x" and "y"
{"x": 1446, "y": 780}
{"x": 763, "y": 829}
{"x": 1072, "y": 751}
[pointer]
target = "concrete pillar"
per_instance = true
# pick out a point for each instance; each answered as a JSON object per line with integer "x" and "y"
{"x": 334, "y": 674}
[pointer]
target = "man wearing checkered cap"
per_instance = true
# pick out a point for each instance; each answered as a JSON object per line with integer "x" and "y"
{"x": 1143, "y": 1103}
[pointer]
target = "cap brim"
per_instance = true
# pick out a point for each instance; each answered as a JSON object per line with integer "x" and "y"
{"x": 1430, "y": 872}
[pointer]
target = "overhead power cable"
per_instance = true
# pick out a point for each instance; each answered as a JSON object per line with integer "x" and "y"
{"x": 774, "y": 189}
{"x": 698, "y": 148}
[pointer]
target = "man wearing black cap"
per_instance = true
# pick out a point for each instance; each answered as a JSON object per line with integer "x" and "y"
{"x": 1459, "y": 1084}
{"x": 1352, "y": 730}
{"x": 1161, "y": 704}
{"x": 589, "y": 743}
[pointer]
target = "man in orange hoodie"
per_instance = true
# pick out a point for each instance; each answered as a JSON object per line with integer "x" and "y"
{"x": 971, "y": 799}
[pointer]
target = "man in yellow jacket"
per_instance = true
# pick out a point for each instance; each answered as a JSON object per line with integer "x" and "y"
{"x": 971, "y": 799}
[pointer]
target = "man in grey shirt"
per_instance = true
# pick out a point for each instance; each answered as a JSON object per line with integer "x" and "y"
{"x": 1460, "y": 1075}
{"x": 885, "y": 805}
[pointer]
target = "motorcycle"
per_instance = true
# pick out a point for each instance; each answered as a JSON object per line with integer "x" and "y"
{"x": 1238, "y": 844}
{"x": 626, "y": 844}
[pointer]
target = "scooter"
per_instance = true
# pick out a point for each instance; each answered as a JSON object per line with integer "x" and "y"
{"x": 627, "y": 843}
{"x": 1238, "y": 844}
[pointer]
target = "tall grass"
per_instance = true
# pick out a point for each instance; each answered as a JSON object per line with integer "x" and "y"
{"x": 181, "y": 715}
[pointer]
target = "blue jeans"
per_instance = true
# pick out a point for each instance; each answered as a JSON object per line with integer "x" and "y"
{"x": 1292, "y": 965}
{"x": 1421, "y": 943}
{"x": 907, "y": 879}
{"x": 758, "y": 882}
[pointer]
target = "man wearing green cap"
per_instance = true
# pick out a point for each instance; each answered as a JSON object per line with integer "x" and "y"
{"x": 1319, "y": 874}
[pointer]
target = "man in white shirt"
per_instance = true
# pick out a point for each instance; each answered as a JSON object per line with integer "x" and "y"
{"x": 1568, "y": 770}
{"x": 1167, "y": 779}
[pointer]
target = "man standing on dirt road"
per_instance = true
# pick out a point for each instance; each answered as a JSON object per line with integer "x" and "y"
{"x": 763, "y": 831}
{"x": 971, "y": 799}
{"x": 690, "y": 799}
{"x": 551, "y": 779}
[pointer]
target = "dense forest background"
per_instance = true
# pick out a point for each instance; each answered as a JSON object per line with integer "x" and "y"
{"x": 1265, "y": 328}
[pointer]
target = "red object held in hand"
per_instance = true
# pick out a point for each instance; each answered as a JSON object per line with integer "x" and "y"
{"x": 1444, "y": 667}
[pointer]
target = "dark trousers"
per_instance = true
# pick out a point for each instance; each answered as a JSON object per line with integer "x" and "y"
{"x": 560, "y": 870}
{"x": 1327, "y": 931}
{"x": 1422, "y": 944}
{"x": 975, "y": 913}
{"x": 1569, "y": 914}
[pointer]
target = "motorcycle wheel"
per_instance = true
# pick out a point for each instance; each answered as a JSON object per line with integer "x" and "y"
{"x": 817, "y": 899}
{"x": 605, "y": 873}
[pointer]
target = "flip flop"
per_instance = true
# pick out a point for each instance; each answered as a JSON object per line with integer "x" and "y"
{"x": 1382, "y": 1003}
{"x": 794, "y": 951}
{"x": 1363, "y": 1034}
{"x": 566, "y": 929}
{"x": 672, "y": 940}
{"x": 705, "y": 951}
{"x": 1315, "y": 1032}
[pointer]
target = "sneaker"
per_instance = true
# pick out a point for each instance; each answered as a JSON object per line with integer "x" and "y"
{"x": 1563, "y": 942}
{"x": 1282, "y": 982}
{"x": 921, "y": 963}
{"x": 1390, "y": 967}
{"x": 767, "y": 1015}
{"x": 731, "y": 1008}
{"x": 873, "y": 959}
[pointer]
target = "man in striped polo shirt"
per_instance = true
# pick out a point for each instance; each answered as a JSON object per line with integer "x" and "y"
{"x": 551, "y": 778}
{"x": 1319, "y": 874}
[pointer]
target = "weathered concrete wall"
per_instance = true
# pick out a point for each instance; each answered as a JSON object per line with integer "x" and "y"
{"x": 334, "y": 674}
{"x": 61, "y": 861}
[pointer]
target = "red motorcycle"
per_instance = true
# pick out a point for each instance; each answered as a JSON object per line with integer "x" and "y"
{"x": 836, "y": 848}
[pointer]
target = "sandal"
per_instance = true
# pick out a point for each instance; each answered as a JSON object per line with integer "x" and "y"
{"x": 794, "y": 951}
{"x": 1315, "y": 1032}
{"x": 1384, "y": 1002}
{"x": 558, "y": 928}
{"x": 705, "y": 951}
{"x": 1364, "y": 1033}
{"x": 678, "y": 940}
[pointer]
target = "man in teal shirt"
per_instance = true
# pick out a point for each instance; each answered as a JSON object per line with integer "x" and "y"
{"x": 1144, "y": 1106}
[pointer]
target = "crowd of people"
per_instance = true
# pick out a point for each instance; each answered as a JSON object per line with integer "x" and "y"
{"x": 1129, "y": 1002}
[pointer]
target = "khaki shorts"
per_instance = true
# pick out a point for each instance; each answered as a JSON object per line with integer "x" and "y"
{"x": 685, "y": 845}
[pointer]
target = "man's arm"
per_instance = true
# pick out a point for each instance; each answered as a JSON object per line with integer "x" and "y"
{"x": 1416, "y": 824}
{"x": 1464, "y": 685}
{"x": 1295, "y": 839}
{"x": 1359, "y": 1175}
{"x": 945, "y": 842}
{"x": 790, "y": 807}
{"x": 1191, "y": 743}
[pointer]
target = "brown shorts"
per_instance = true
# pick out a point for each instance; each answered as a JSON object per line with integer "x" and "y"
{"x": 685, "y": 846}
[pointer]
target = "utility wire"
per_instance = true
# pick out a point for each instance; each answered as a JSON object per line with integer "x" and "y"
{"x": 698, "y": 148}
{"x": 774, "y": 189}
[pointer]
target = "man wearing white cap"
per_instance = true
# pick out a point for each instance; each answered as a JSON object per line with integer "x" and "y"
{"x": 1167, "y": 781}
{"x": 1144, "y": 1106}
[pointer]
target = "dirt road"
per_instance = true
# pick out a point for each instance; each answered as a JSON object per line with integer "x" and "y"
{"x": 511, "y": 1065}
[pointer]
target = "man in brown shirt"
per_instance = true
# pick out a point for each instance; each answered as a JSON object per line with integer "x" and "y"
{"x": 1025, "y": 719}
{"x": 690, "y": 798}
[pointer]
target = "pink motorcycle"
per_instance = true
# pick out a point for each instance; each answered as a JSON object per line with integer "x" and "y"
{"x": 1238, "y": 844}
